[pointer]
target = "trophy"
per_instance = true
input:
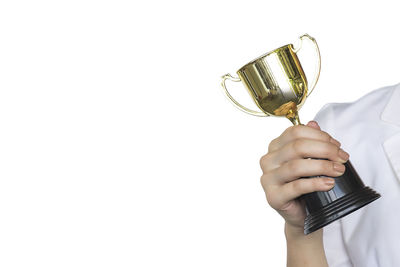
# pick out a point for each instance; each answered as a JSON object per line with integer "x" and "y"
{"x": 277, "y": 84}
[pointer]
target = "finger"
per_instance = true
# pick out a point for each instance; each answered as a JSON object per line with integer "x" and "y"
{"x": 307, "y": 148}
{"x": 298, "y": 132}
{"x": 294, "y": 169}
{"x": 313, "y": 124}
{"x": 293, "y": 190}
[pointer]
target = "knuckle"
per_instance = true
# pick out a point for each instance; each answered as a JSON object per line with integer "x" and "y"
{"x": 315, "y": 183}
{"x": 263, "y": 181}
{"x": 308, "y": 185}
{"x": 329, "y": 150}
{"x": 272, "y": 199}
{"x": 334, "y": 151}
{"x": 272, "y": 196}
{"x": 324, "y": 166}
{"x": 329, "y": 166}
{"x": 292, "y": 166}
{"x": 288, "y": 129}
{"x": 264, "y": 160}
{"x": 272, "y": 144}
{"x": 297, "y": 131}
{"x": 297, "y": 146}
{"x": 261, "y": 162}
{"x": 327, "y": 136}
{"x": 298, "y": 185}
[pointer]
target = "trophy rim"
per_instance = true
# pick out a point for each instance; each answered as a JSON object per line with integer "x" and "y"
{"x": 264, "y": 56}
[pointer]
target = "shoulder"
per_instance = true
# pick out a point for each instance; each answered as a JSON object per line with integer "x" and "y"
{"x": 334, "y": 117}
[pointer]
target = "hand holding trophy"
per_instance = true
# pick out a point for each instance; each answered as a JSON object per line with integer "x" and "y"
{"x": 278, "y": 85}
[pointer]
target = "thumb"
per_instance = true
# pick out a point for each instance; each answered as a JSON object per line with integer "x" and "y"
{"x": 313, "y": 124}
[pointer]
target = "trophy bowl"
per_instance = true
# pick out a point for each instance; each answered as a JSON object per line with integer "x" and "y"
{"x": 278, "y": 85}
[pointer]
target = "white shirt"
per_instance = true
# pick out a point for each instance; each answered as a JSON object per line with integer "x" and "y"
{"x": 369, "y": 129}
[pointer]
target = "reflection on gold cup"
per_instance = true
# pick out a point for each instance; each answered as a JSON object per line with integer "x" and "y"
{"x": 276, "y": 82}
{"x": 279, "y": 87}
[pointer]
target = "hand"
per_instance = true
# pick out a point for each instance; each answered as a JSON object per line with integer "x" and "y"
{"x": 300, "y": 151}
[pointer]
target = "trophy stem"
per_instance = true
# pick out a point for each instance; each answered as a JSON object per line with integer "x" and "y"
{"x": 293, "y": 116}
{"x": 289, "y": 110}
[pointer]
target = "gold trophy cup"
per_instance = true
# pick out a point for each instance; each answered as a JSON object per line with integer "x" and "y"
{"x": 278, "y": 85}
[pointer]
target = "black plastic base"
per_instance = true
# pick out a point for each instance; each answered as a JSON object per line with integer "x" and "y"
{"x": 348, "y": 195}
{"x": 339, "y": 208}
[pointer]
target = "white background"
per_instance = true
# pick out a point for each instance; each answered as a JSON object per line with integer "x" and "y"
{"x": 117, "y": 146}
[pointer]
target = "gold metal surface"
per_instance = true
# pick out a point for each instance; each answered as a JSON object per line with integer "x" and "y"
{"x": 276, "y": 82}
{"x": 237, "y": 104}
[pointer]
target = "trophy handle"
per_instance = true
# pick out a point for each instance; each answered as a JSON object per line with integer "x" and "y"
{"x": 237, "y": 104}
{"x": 317, "y": 66}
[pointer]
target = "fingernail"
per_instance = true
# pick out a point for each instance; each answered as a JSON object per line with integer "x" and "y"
{"x": 329, "y": 181}
{"x": 336, "y": 142}
{"x": 338, "y": 167}
{"x": 343, "y": 155}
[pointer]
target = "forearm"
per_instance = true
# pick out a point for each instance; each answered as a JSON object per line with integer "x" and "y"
{"x": 304, "y": 250}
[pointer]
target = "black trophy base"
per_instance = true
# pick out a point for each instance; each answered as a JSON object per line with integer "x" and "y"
{"x": 348, "y": 195}
{"x": 339, "y": 208}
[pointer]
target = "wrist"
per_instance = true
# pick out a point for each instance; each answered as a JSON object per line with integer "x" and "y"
{"x": 294, "y": 233}
{"x": 304, "y": 250}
